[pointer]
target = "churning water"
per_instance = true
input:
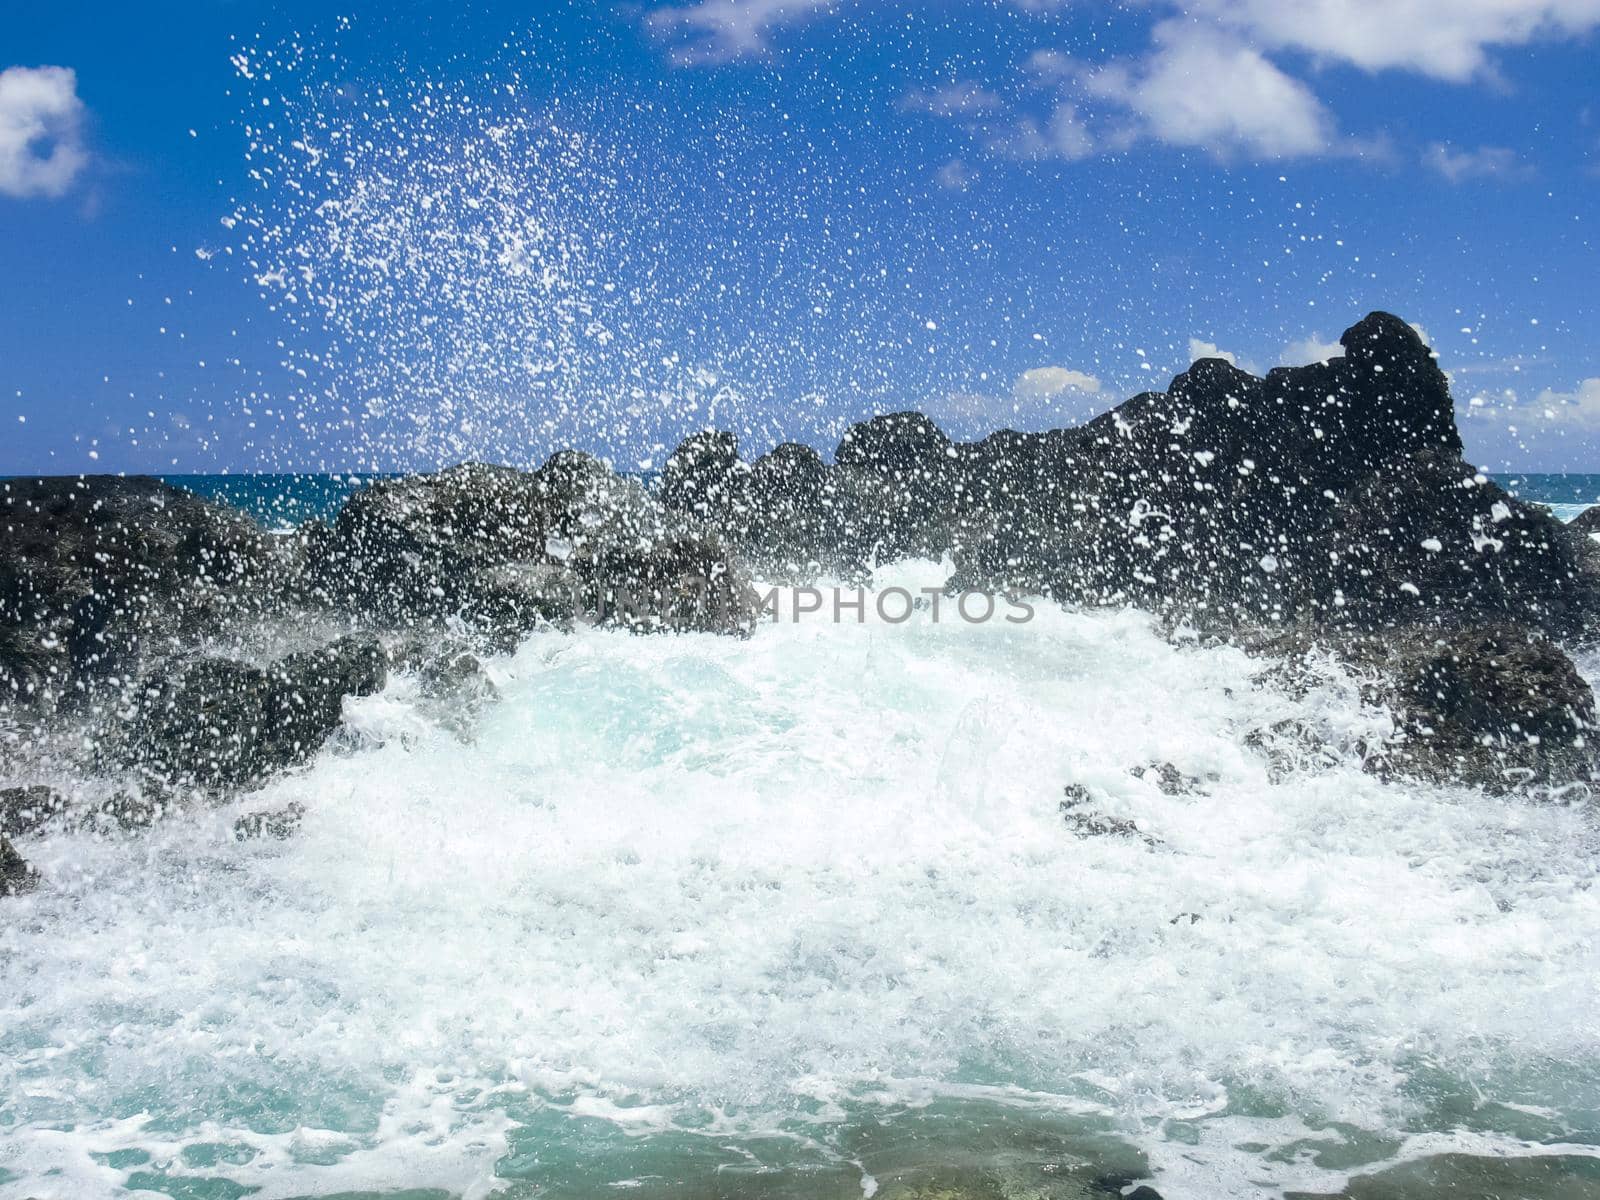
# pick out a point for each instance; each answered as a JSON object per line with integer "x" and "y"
{"x": 696, "y": 915}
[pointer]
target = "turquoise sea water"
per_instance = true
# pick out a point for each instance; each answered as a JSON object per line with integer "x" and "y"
{"x": 1566, "y": 494}
{"x": 283, "y": 500}
{"x": 278, "y": 500}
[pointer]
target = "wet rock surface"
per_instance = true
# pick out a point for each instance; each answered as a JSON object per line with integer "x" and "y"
{"x": 511, "y": 550}
{"x": 1333, "y": 494}
{"x": 276, "y": 824}
{"x": 24, "y": 810}
{"x": 99, "y": 573}
{"x": 1494, "y": 706}
{"x": 16, "y": 876}
{"x": 1330, "y": 501}
{"x": 219, "y": 723}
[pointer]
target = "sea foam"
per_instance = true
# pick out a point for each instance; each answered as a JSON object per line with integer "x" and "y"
{"x": 689, "y": 903}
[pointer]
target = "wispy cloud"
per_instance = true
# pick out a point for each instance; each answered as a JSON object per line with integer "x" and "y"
{"x": 1578, "y": 409}
{"x": 41, "y": 131}
{"x": 1486, "y": 162}
{"x": 1312, "y": 348}
{"x": 961, "y": 98}
{"x": 1201, "y": 349}
{"x": 1053, "y": 381}
{"x": 955, "y": 175}
{"x": 719, "y": 31}
{"x": 1445, "y": 39}
{"x": 1213, "y": 77}
{"x": 1197, "y": 88}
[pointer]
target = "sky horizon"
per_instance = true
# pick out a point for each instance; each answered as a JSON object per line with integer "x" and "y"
{"x": 257, "y": 236}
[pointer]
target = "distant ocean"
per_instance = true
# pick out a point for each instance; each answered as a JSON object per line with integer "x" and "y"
{"x": 1566, "y": 495}
{"x": 284, "y": 501}
{"x": 279, "y": 501}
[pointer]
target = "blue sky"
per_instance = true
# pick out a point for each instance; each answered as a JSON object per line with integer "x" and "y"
{"x": 255, "y": 235}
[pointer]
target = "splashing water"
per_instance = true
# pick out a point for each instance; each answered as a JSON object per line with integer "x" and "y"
{"x": 465, "y": 269}
{"x": 683, "y": 908}
{"x": 439, "y": 256}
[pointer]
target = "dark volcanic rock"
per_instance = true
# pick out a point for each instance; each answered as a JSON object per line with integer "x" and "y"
{"x": 218, "y": 723}
{"x": 279, "y": 824}
{"x": 793, "y": 526}
{"x": 100, "y": 572}
{"x": 1586, "y": 523}
{"x": 705, "y": 478}
{"x": 16, "y": 876}
{"x": 1431, "y": 539}
{"x": 1496, "y": 706}
{"x": 897, "y": 484}
{"x": 1085, "y": 822}
{"x": 25, "y": 809}
{"x": 509, "y": 550}
{"x": 1168, "y": 778}
{"x": 1333, "y": 494}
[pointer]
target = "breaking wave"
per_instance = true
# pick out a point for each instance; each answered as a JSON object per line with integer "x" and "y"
{"x": 678, "y": 909}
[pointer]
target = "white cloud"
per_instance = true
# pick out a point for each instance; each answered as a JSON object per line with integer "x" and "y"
{"x": 1578, "y": 409}
{"x": 1043, "y": 398}
{"x": 1198, "y": 87}
{"x": 1486, "y": 162}
{"x": 41, "y": 131}
{"x": 1447, "y": 39}
{"x": 1310, "y": 349}
{"x": 1204, "y": 89}
{"x": 1199, "y": 350}
{"x": 955, "y": 175}
{"x": 720, "y": 31}
{"x": 1053, "y": 381}
{"x": 959, "y": 99}
{"x": 1065, "y": 135}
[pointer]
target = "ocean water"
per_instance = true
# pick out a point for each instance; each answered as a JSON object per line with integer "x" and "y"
{"x": 1566, "y": 494}
{"x": 282, "y": 501}
{"x": 279, "y": 501}
{"x": 799, "y": 915}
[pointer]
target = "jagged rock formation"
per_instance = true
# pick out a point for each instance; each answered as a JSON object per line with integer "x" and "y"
{"x": 25, "y": 809}
{"x": 16, "y": 876}
{"x": 1333, "y": 494}
{"x": 1331, "y": 500}
{"x": 1496, "y": 706}
{"x": 218, "y": 723}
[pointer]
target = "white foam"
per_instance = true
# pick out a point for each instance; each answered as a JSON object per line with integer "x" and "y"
{"x": 681, "y": 884}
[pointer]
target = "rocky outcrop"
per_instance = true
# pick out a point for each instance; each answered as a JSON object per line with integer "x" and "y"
{"x": 16, "y": 876}
{"x": 23, "y": 810}
{"x": 223, "y": 724}
{"x": 277, "y": 824}
{"x": 1333, "y": 494}
{"x": 1327, "y": 504}
{"x": 101, "y": 573}
{"x": 1497, "y": 705}
{"x": 1586, "y": 524}
{"x": 705, "y": 477}
{"x": 510, "y": 550}
{"x": 1329, "y": 500}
